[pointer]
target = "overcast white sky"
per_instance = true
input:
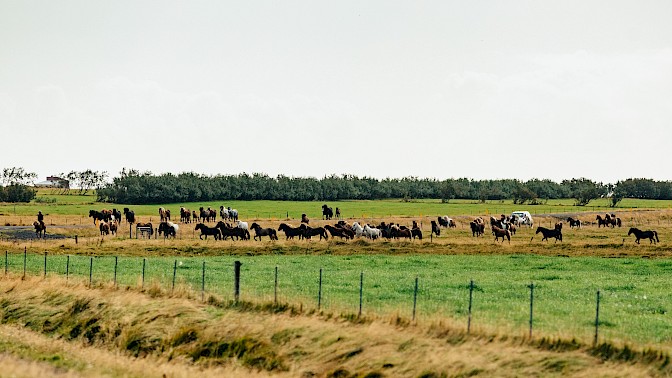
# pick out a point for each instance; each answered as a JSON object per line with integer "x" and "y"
{"x": 479, "y": 89}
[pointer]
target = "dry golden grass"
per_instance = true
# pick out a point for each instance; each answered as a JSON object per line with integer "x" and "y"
{"x": 166, "y": 333}
{"x": 587, "y": 241}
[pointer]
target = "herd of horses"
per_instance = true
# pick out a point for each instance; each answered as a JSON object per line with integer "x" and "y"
{"x": 503, "y": 228}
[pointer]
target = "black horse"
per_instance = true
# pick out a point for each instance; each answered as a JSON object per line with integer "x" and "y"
{"x": 309, "y": 232}
{"x": 573, "y": 222}
{"x": 555, "y": 233}
{"x": 477, "y": 229}
{"x": 338, "y": 213}
{"x": 291, "y": 232}
{"x": 99, "y": 216}
{"x": 435, "y": 228}
{"x": 259, "y": 232}
{"x": 130, "y": 215}
{"x": 649, "y": 234}
{"x": 117, "y": 215}
{"x": 339, "y": 232}
{"x": 167, "y": 230}
{"x": 327, "y": 212}
{"x": 205, "y": 230}
{"x": 233, "y": 232}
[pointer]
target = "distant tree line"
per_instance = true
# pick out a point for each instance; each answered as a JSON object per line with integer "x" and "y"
{"x": 15, "y": 185}
{"x": 134, "y": 187}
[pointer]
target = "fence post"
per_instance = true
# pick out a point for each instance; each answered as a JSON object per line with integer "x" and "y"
{"x": 144, "y": 262}
{"x": 6, "y": 262}
{"x": 116, "y": 261}
{"x": 25, "y": 257}
{"x": 361, "y": 292}
{"x": 319, "y": 292}
{"x": 45, "y": 264}
{"x": 531, "y": 306}
{"x": 275, "y": 288}
{"x": 90, "y": 271}
{"x": 130, "y": 230}
{"x": 67, "y": 268}
{"x": 471, "y": 296}
{"x": 415, "y": 297}
{"x": 597, "y": 318}
{"x": 236, "y": 280}
{"x": 174, "y": 274}
{"x": 203, "y": 283}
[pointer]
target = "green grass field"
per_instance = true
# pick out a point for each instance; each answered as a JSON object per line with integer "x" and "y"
{"x": 635, "y": 301}
{"x": 53, "y": 204}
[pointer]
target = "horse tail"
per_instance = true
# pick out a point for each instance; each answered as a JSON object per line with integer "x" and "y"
{"x": 656, "y": 235}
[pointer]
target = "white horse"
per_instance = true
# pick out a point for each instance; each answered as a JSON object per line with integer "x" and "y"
{"x": 174, "y": 226}
{"x": 371, "y": 233}
{"x": 242, "y": 225}
{"x": 357, "y": 229}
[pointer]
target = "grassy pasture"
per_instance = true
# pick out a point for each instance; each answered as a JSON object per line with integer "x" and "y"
{"x": 635, "y": 305}
{"x": 632, "y": 278}
{"x": 77, "y": 207}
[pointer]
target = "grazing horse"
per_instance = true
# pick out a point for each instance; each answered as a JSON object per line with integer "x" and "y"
{"x": 304, "y": 219}
{"x": 290, "y": 232}
{"x": 601, "y": 222}
{"x": 573, "y": 222}
{"x": 398, "y": 232}
{"x": 649, "y": 234}
{"x": 130, "y": 215}
{"x": 104, "y": 228}
{"x": 259, "y": 232}
{"x": 557, "y": 234}
{"x": 435, "y": 228}
{"x": 443, "y": 221}
{"x": 309, "y": 232}
{"x": 477, "y": 229}
{"x": 205, "y": 230}
{"x": 40, "y": 229}
{"x": 327, "y": 212}
{"x": 501, "y": 233}
{"x": 168, "y": 229}
{"x": 340, "y": 232}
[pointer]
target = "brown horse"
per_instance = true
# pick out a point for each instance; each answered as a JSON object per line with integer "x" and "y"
{"x": 104, "y": 228}
{"x": 501, "y": 233}
{"x": 40, "y": 229}
{"x": 601, "y": 222}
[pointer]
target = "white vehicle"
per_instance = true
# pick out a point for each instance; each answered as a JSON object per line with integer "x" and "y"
{"x": 524, "y": 217}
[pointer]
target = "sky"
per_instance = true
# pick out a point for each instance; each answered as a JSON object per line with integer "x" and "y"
{"x": 436, "y": 89}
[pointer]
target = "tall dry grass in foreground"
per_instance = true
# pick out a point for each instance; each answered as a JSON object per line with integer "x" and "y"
{"x": 102, "y": 331}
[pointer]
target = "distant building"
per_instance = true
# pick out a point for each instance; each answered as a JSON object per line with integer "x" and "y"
{"x": 53, "y": 182}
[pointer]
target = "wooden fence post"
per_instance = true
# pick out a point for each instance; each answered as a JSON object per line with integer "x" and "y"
{"x": 361, "y": 294}
{"x": 275, "y": 288}
{"x": 116, "y": 262}
{"x": 144, "y": 261}
{"x": 415, "y": 297}
{"x": 319, "y": 292}
{"x": 597, "y": 318}
{"x": 531, "y": 306}
{"x": 471, "y": 296}
{"x": 203, "y": 283}
{"x": 90, "y": 271}
{"x": 45, "y": 264}
{"x": 236, "y": 280}
{"x": 25, "y": 257}
{"x": 174, "y": 274}
{"x": 67, "y": 268}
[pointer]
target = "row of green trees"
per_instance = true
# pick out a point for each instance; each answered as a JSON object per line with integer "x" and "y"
{"x": 134, "y": 187}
